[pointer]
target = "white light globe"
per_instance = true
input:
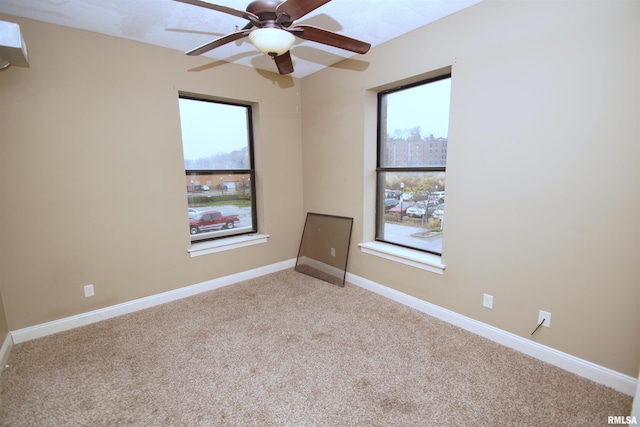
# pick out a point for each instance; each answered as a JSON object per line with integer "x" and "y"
{"x": 272, "y": 41}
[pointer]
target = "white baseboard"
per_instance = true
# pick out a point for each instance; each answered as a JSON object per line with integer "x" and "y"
{"x": 584, "y": 368}
{"x": 325, "y": 268}
{"x": 44, "y": 329}
{"x": 597, "y": 373}
{"x": 5, "y": 350}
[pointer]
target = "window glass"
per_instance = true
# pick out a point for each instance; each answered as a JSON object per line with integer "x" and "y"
{"x": 219, "y": 174}
{"x": 413, "y": 131}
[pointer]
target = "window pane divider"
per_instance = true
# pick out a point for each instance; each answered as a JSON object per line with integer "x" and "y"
{"x": 412, "y": 169}
{"x": 218, "y": 171}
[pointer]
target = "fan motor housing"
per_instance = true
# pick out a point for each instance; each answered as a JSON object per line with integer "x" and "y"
{"x": 264, "y": 9}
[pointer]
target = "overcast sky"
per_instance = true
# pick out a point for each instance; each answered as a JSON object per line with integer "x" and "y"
{"x": 426, "y": 106}
{"x": 209, "y": 128}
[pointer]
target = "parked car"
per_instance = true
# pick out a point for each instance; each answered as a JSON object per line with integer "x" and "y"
{"x": 439, "y": 196}
{"x": 422, "y": 209}
{"x": 205, "y": 188}
{"x": 392, "y": 194}
{"x": 400, "y": 207}
{"x": 390, "y": 203}
{"x": 192, "y": 213}
{"x": 421, "y": 195}
{"x": 211, "y": 220}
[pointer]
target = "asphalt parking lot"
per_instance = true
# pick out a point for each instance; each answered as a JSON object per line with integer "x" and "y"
{"x": 412, "y": 236}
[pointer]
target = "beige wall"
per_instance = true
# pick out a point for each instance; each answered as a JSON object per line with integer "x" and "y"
{"x": 543, "y": 183}
{"x": 94, "y": 114}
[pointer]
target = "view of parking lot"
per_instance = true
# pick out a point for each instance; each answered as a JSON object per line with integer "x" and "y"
{"x": 414, "y": 219}
{"x": 221, "y": 210}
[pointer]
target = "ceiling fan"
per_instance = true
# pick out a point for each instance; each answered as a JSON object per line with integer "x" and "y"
{"x": 271, "y": 30}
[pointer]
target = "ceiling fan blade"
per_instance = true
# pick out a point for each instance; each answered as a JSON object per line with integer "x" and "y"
{"x": 284, "y": 63}
{"x": 330, "y": 38}
{"x": 296, "y": 9}
{"x": 219, "y": 42}
{"x": 205, "y": 33}
{"x": 235, "y": 12}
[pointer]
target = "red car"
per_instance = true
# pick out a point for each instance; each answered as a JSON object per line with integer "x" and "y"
{"x": 211, "y": 220}
{"x": 404, "y": 206}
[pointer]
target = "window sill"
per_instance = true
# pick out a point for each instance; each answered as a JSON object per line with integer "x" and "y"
{"x": 226, "y": 244}
{"x": 418, "y": 259}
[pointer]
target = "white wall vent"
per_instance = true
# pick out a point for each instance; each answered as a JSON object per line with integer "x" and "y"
{"x": 13, "y": 50}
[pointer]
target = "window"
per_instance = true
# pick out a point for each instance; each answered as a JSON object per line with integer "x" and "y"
{"x": 413, "y": 129}
{"x": 217, "y": 142}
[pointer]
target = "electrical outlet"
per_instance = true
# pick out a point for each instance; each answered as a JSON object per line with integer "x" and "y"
{"x": 487, "y": 301}
{"x": 88, "y": 291}
{"x": 333, "y": 252}
{"x": 546, "y": 316}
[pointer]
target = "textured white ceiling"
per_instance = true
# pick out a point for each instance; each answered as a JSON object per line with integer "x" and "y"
{"x": 182, "y": 27}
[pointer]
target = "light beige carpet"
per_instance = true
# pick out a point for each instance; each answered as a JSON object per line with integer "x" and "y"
{"x": 289, "y": 350}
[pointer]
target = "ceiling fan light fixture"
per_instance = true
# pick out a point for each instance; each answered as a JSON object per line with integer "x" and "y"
{"x": 272, "y": 41}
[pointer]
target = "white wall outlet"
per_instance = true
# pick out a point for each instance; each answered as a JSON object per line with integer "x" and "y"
{"x": 546, "y": 316}
{"x": 88, "y": 291}
{"x": 487, "y": 301}
{"x": 333, "y": 252}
